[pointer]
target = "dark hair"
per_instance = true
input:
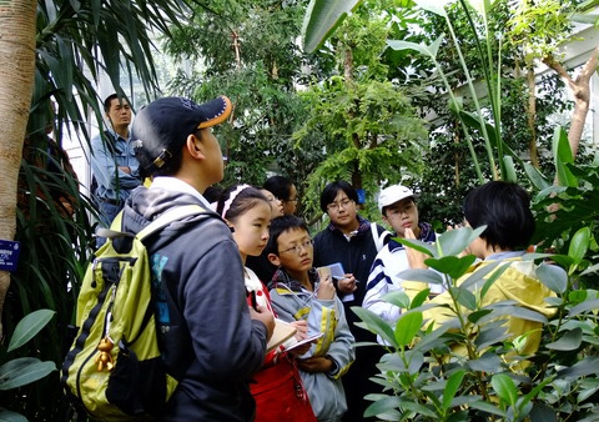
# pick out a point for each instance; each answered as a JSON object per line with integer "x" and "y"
{"x": 331, "y": 191}
{"x": 281, "y": 225}
{"x": 213, "y": 193}
{"x": 243, "y": 200}
{"x": 279, "y": 186}
{"x": 108, "y": 101}
{"x": 505, "y": 209}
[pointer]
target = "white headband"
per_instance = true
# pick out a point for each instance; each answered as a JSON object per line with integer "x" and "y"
{"x": 232, "y": 197}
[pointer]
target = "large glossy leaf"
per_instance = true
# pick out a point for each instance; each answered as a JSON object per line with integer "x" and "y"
{"x": 407, "y": 327}
{"x": 490, "y": 363}
{"x": 580, "y": 245}
{"x": 569, "y": 341}
{"x": 453, "y": 242}
{"x": 587, "y": 305}
{"x": 29, "y": 326}
{"x": 453, "y": 385}
{"x": 22, "y": 371}
{"x": 505, "y": 388}
{"x": 587, "y": 366}
{"x": 482, "y": 7}
{"x": 419, "y": 245}
{"x": 424, "y": 276}
{"x": 538, "y": 180}
{"x": 385, "y": 405}
{"x": 452, "y": 265}
{"x": 555, "y": 278}
{"x": 322, "y": 18}
{"x": 562, "y": 156}
{"x": 427, "y": 50}
{"x": 376, "y": 324}
{"x": 435, "y": 6}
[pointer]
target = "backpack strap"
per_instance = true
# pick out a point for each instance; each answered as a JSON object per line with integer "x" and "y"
{"x": 168, "y": 217}
{"x": 164, "y": 220}
{"x": 379, "y": 239}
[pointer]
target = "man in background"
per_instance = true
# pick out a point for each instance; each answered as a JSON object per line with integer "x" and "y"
{"x": 115, "y": 169}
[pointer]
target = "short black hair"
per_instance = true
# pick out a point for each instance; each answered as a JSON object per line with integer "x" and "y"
{"x": 281, "y": 225}
{"x": 504, "y": 207}
{"x": 108, "y": 101}
{"x": 331, "y": 191}
{"x": 279, "y": 186}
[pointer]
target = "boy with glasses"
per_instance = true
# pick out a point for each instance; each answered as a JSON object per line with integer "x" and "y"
{"x": 297, "y": 292}
{"x": 398, "y": 208}
{"x": 349, "y": 240}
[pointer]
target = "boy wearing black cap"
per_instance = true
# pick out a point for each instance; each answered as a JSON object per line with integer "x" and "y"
{"x": 211, "y": 342}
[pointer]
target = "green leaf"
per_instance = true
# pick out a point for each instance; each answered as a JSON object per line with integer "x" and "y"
{"x": 569, "y": 341}
{"x": 417, "y": 408}
{"x": 29, "y": 326}
{"x": 536, "y": 177}
{"x": 452, "y": 265}
{"x": 489, "y": 408}
{"x": 22, "y": 371}
{"x": 562, "y": 156}
{"x": 477, "y": 277}
{"x": 420, "y": 246}
{"x": 385, "y": 405}
{"x": 580, "y": 245}
{"x": 482, "y": 7}
{"x": 453, "y": 242}
{"x": 8, "y": 416}
{"x": 505, "y": 388}
{"x": 407, "y": 327}
{"x": 490, "y": 362}
{"x": 587, "y": 366}
{"x": 587, "y": 305}
{"x": 421, "y": 275}
{"x": 399, "y": 45}
{"x": 555, "y": 278}
{"x": 375, "y": 324}
{"x": 453, "y": 385}
{"x": 322, "y": 18}
{"x": 435, "y": 6}
{"x": 397, "y": 298}
{"x": 466, "y": 298}
{"x": 420, "y": 298}
{"x": 510, "y": 169}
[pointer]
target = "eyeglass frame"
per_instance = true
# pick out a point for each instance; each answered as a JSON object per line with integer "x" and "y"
{"x": 335, "y": 206}
{"x": 298, "y": 248}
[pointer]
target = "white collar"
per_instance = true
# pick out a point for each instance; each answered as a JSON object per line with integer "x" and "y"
{"x": 174, "y": 184}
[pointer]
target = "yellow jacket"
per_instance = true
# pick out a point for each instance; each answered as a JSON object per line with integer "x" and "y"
{"x": 518, "y": 283}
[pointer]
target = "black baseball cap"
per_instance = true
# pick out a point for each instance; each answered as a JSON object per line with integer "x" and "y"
{"x": 161, "y": 128}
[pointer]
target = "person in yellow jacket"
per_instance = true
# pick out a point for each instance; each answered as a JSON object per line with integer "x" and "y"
{"x": 505, "y": 209}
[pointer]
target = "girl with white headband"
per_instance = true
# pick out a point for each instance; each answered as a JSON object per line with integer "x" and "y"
{"x": 277, "y": 387}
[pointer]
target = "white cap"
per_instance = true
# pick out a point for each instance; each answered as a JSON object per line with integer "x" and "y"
{"x": 393, "y": 194}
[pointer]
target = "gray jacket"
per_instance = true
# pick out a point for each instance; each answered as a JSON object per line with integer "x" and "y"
{"x": 209, "y": 342}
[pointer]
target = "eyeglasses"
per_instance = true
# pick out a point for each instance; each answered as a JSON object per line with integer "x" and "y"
{"x": 298, "y": 248}
{"x": 343, "y": 204}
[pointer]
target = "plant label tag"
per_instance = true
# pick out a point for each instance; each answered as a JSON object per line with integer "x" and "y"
{"x": 9, "y": 255}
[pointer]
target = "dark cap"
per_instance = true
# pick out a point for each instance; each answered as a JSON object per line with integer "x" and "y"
{"x": 161, "y": 128}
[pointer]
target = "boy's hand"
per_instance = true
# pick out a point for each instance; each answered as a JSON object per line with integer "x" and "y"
{"x": 302, "y": 329}
{"x": 415, "y": 258}
{"x": 315, "y": 364}
{"x": 266, "y": 317}
{"x": 326, "y": 288}
{"x": 347, "y": 284}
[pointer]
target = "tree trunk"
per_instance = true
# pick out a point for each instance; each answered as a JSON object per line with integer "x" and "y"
{"x": 581, "y": 88}
{"x": 17, "y": 66}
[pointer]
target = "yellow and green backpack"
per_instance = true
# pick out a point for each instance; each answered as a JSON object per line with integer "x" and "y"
{"x": 114, "y": 369}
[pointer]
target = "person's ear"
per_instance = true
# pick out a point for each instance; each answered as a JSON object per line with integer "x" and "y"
{"x": 384, "y": 218}
{"x": 274, "y": 259}
{"x": 195, "y": 147}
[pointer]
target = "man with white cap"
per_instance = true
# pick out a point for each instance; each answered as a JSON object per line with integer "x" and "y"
{"x": 398, "y": 208}
{"x": 211, "y": 341}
